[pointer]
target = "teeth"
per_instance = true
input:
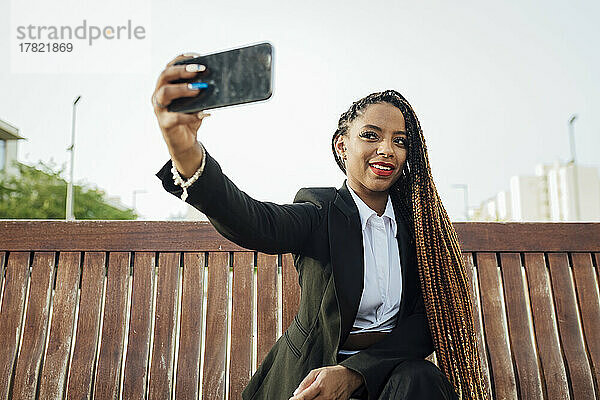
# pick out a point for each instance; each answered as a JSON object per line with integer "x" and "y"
{"x": 381, "y": 167}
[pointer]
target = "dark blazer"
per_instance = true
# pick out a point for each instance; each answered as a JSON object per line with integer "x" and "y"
{"x": 322, "y": 230}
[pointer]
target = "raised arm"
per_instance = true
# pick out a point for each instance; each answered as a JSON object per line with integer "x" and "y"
{"x": 258, "y": 225}
{"x": 263, "y": 226}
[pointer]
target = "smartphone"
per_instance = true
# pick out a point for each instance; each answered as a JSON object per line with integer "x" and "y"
{"x": 237, "y": 76}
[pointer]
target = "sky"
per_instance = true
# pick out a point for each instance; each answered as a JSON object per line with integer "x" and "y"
{"x": 493, "y": 84}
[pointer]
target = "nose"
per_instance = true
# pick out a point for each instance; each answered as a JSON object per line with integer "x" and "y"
{"x": 385, "y": 148}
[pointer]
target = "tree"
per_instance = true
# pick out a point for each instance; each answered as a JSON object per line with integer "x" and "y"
{"x": 38, "y": 192}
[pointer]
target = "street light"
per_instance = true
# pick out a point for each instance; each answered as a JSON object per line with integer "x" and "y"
{"x": 573, "y": 162}
{"x": 572, "y": 137}
{"x": 465, "y": 189}
{"x": 71, "y": 148}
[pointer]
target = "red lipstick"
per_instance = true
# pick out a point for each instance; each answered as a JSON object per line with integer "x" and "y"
{"x": 386, "y": 170}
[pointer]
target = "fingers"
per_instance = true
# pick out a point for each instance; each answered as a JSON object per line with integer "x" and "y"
{"x": 165, "y": 94}
{"x": 182, "y": 119}
{"x": 182, "y": 57}
{"x": 174, "y": 72}
{"x": 170, "y": 119}
{"x": 312, "y": 375}
{"x": 310, "y": 393}
{"x": 306, "y": 382}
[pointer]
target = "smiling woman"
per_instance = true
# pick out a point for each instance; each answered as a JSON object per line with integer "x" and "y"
{"x": 379, "y": 131}
{"x": 383, "y": 284}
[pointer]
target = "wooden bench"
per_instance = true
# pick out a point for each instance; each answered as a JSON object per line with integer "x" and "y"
{"x": 102, "y": 309}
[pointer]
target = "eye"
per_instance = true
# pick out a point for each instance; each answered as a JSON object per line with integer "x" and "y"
{"x": 368, "y": 134}
{"x": 372, "y": 135}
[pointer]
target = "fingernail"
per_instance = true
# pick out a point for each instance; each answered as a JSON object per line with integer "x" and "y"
{"x": 191, "y": 54}
{"x": 195, "y": 68}
{"x": 295, "y": 391}
{"x": 197, "y": 85}
{"x": 202, "y": 114}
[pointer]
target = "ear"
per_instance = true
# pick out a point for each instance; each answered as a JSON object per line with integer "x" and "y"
{"x": 340, "y": 145}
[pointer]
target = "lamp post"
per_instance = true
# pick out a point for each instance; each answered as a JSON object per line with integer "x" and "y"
{"x": 573, "y": 162}
{"x": 465, "y": 189}
{"x": 69, "y": 211}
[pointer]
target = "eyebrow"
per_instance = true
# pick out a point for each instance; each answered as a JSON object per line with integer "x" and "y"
{"x": 379, "y": 129}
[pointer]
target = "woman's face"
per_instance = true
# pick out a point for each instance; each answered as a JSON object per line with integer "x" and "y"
{"x": 377, "y": 136}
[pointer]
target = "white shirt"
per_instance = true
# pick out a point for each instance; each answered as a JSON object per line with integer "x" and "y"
{"x": 382, "y": 290}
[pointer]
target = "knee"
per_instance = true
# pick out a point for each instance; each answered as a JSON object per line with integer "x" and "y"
{"x": 418, "y": 370}
{"x": 418, "y": 379}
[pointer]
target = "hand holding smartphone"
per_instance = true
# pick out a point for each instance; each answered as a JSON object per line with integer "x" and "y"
{"x": 231, "y": 77}
{"x": 237, "y": 76}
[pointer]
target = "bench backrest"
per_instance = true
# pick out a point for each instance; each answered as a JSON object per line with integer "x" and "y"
{"x": 154, "y": 309}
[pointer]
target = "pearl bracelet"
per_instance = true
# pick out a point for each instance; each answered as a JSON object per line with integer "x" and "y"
{"x": 178, "y": 180}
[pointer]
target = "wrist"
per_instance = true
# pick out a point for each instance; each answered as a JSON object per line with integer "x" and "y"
{"x": 188, "y": 161}
{"x": 185, "y": 152}
{"x": 355, "y": 379}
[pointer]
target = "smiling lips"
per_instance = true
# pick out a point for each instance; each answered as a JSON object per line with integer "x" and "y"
{"x": 382, "y": 168}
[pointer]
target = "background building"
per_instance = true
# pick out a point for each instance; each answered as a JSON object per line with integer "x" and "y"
{"x": 9, "y": 139}
{"x": 557, "y": 192}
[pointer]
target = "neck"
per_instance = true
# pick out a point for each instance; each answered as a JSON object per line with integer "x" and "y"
{"x": 375, "y": 200}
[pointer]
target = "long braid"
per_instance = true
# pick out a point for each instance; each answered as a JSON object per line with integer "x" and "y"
{"x": 442, "y": 272}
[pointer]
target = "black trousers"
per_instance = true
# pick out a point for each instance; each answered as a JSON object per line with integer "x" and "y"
{"x": 413, "y": 380}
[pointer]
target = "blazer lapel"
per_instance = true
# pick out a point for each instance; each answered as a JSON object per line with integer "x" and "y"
{"x": 347, "y": 257}
{"x": 406, "y": 263}
{"x": 346, "y": 250}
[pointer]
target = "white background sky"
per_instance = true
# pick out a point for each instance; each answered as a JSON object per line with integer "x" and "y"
{"x": 493, "y": 84}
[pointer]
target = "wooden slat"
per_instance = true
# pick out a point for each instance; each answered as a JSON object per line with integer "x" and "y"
{"x": 496, "y": 333}
{"x": 546, "y": 329}
{"x": 34, "y": 331}
{"x": 291, "y": 291}
{"x": 240, "y": 368}
{"x": 190, "y": 337}
{"x": 522, "y": 345}
{"x": 24, "y": 235}
{"x": 140, "y": 324}
{"x": 13, "y": 302}
{"x": 475, "y": 303}
{"x": 108, "y": 372}
{"x": 568, "y": 324}
{"x": 163, "y": 345}
{"x": 2, "y": 269}
{"x": 528, "y": 236}
{"x": 56, "y": 359}
{"x": 213, "y": 374}
{"x": 112, "y": 236}
{"x": 587, "y": 294}
{"x": 266, "y": 287}
{"x": 81, "y": 370}
{"x": 597, "y": 257}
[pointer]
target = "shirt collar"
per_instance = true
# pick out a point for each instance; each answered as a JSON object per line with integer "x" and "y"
{"x": 366, "y": 212}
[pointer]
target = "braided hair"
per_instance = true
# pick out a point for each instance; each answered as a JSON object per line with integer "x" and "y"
{"x": 442, "y": 272}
